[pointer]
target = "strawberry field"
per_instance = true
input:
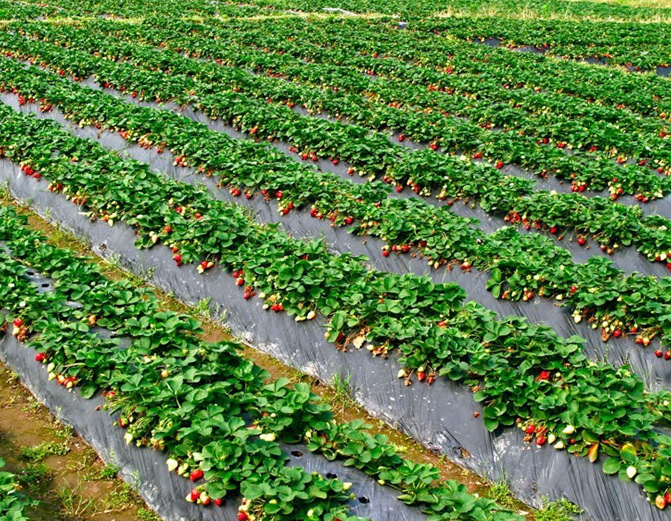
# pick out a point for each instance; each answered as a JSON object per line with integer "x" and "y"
{"x": 462, "y": 211}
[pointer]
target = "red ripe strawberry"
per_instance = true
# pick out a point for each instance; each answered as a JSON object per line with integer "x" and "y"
{"x": 530, "y": 429}
{"x": 349, "y": 220}
{"x": 659, "y": 353}
{"x": 350, "y": 171}
{"x": 477, "y": 155}
{"x": 195, "y": 494}
{"x": 573, "y": 289}
{"x": 541, "y": 440}
{"x": 553, "y": 230}
{"x": 196, "y": 475}
{"x": 465, "y": 265}
{"x": 240, "y": 281}
{"x": 335, "y": 162}
{"x": 581, "y": 240}
{"x": 544, "y": 375}
{"x": 40, "y": 357}
{"x": 399, "y": 188}
{"x": 385, "y": 253}
{"x": 499, "y": 165}
{"x": 660, "y": 170}
{"x": 401, "y": 137}
{"x": 279, "y": 194}
{"x": 421, "y": 376}
{"x": 433, "y": 146}
{"x": 219, "y": 501}
{"x": 313, "y": 212}
{"x": 667, "y": 355}
{"x": 178, "y": 259}
{"x": 304, "y": 156}
{"x": 667, "y": 498}
{"x": 242, "y": 516}
{"x": 442, "y": 323}
{"x": 18, "y": 322}
{"x": 617, "y": 333}
{"x": 205, "y": 501}
{"x": 167, "y": 229}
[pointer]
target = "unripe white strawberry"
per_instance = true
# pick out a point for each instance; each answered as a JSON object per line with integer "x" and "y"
{"x": 568, "y": 430}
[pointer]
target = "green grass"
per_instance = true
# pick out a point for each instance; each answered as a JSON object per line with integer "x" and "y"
{"x": 559, "y": 510}
{"x": 44, "y": 450}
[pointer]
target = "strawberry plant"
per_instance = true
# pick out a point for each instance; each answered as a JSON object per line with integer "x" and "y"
{"x": 13, "y": 504}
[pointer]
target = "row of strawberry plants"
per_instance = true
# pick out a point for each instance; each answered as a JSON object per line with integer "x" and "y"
{"x": 524, "y": 374}
{"x": 430, "y": 120}
{"x": 611, "y": 224}
{"x": 13, "y": 504}
{"x": 133, "y": 11}
{"x": 13, "y": 10}
{"x": 572, "y": 122}
{"x": 414, "y": 10}
{"x": 404, "y": 51}
{"x": 424, "y": 52}
{"x": 167, "y": 363}
{"x": 596, "y": 290}
{"x": 638, "y": 45}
